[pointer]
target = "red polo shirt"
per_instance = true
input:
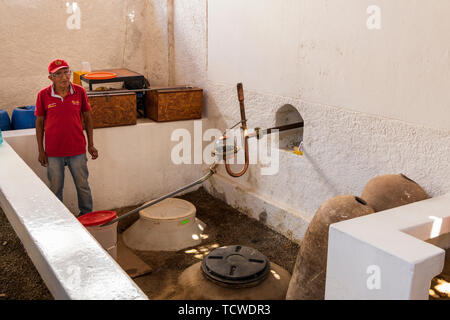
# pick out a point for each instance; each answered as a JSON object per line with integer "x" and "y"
{"x": 62, "y": 127}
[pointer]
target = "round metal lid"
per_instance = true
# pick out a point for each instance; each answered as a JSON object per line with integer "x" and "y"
{"x": 169, "y": 209}
{"x": 236, "y": 265}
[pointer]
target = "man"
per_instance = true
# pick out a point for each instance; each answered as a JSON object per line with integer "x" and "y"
{"x": 59, "y": 109}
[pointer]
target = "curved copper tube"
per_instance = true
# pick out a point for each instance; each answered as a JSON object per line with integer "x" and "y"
{"x": 240, "y": 92}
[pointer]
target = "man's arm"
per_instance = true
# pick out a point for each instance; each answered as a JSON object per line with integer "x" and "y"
{"x": 40, "y": 141}
{"x": 90, "y": 134}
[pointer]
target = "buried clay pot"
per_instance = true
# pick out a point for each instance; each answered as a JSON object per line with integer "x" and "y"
{"x": 194, "y": 285}
{"x": 308, "y": 277}
{"x": 392, "y": 190}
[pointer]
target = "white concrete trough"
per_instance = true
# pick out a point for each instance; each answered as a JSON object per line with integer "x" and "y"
{"x": 71, "y": 262}
{"x": 392, "y": 254}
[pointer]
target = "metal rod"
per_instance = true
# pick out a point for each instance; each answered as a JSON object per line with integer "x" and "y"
{"x": 285, "y": 127}
{"x": 260, "y": 132}
{"x": 148, "y": 204}
{"x": 240, "y": 122}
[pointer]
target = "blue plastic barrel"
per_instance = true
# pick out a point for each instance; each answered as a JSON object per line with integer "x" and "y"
{"x": 5, "y": 121}
{"x": 23, "y": 118}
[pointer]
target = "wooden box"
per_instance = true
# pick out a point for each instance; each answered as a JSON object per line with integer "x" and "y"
{"x": 112, "y": 110}
{"x": 170, "y": 104}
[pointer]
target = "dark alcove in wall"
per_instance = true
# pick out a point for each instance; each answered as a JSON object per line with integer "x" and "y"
{"x": 288, "y": 114}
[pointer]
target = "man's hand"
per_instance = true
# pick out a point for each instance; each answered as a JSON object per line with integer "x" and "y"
{"x": 43, "y": 158}
{"x": 93, "y": 152}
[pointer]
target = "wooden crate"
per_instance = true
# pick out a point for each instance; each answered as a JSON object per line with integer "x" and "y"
{"x": 164, "y": 104}
{"x": 113, "y": 110}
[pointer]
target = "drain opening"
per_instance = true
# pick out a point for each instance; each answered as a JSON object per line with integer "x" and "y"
{"x": 361, "y": 201}
{"x": 255, "y": 260}
{"x": 215, "y": 257}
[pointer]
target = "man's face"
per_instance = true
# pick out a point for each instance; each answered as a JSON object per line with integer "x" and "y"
{"x": 61, "y": 78}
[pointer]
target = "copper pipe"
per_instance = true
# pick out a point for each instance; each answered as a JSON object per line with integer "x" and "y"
{"x": 240, "y": 92}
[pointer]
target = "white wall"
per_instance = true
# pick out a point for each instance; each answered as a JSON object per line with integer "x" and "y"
{"x": 322, "y": 51}
{"x": 374, "y": 101}
{"x": 112, "y": 34}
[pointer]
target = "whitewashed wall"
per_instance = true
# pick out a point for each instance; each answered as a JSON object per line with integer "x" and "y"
{"x": 323, "y": 51}
{"x": 112, "y": 34}
{"x": 374, "y": 101}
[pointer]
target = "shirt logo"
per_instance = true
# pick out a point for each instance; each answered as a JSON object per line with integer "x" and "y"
{"x": 76, "y": 102}
{"x": 51, "y": 105}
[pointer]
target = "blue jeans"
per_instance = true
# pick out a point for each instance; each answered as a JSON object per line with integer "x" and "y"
{"x": 78, "y": 168}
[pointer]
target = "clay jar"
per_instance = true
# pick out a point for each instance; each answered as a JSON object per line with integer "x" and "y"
{"x": 308, "y": 278}
{"x": 392, "y": 190}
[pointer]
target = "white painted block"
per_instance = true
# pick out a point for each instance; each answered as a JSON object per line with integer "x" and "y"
{"x": 384, "y": 255}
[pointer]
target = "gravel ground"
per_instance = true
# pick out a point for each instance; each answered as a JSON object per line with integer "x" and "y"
{"x": 19, "y": 279}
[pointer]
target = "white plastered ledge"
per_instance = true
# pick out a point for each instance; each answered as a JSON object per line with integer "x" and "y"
{"x": 71, "y": 262}
{"x": 384, "y": 255}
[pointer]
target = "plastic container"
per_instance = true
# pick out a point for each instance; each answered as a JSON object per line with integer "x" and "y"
{"x": 5, "y": 121}
{"x": 107, "y": 235}
{"x": 23, "y": 118}
{"x": 169, "y": 225}
{"x": 85, "y": 66}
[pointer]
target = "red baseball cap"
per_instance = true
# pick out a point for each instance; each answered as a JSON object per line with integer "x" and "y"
{"x": 57, "y": 64}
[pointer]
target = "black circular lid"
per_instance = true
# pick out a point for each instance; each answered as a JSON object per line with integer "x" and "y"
{"x": 236, "y": 265}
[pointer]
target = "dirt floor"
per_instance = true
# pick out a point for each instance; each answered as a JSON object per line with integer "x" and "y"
{"x": 19, "y": 279}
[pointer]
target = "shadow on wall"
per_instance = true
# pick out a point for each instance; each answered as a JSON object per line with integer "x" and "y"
{"x": 327, "y": 183}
